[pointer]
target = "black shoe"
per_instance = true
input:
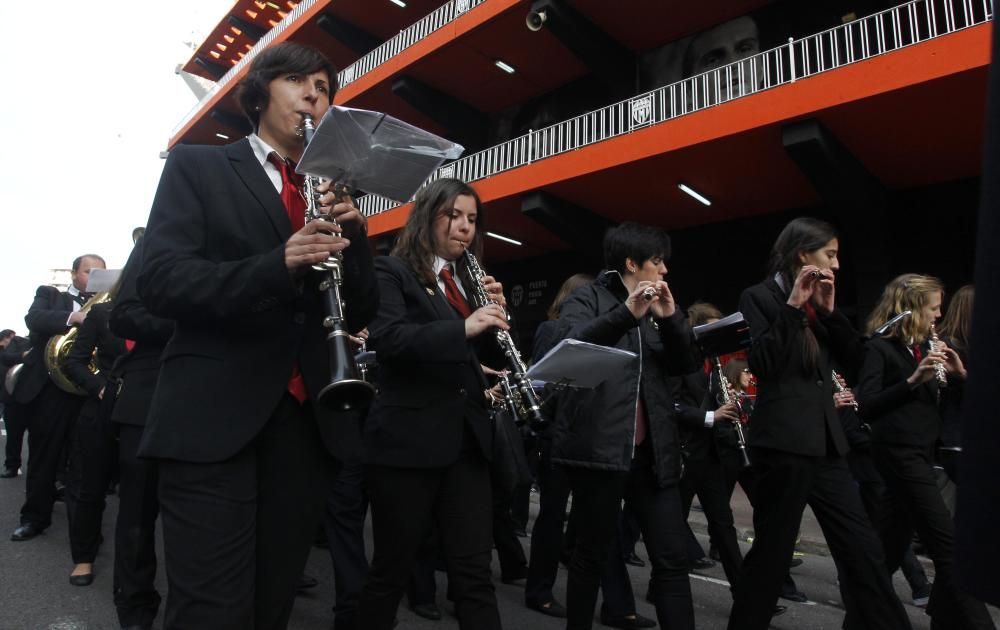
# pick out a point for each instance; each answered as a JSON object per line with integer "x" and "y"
{"x": 627, "y": 622}
{"x": 427, "y": 611}
{"x": 796, "y": 562}
{"x": 794, "y": 596}
{"x": 82, "y": 580}
{"x": 551, "y": 608}
{"x": 779, "y": 610}
{"x": 307, "y": 582}
{"x": 8, "y": 473}
{"x": 713, "y": 553}
{"x": 922, "y": 595}
{"x": 59, "y": 494}
{"x": 702, "y": 563}
{"x": 634, "y": 560}
{"x": 26, "y": 532}
{"x": 520, "y": 532}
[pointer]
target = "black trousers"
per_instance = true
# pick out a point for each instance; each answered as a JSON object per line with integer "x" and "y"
{"x": 422, "y": 588}
{"x": 513, "y": 564}
{"x": 92, "y": 451}
{"x": 785, "y": 483}
{"x": 705, "y": 477}
{"x": 547, "y": 532}
{"x": 404, "y": 503}
{"x": 14, "y": 423}
{"x": 136, "y": 598}
{"x": 49, "y": 417}
{"x": 344, "y": 524}
{"x": 237, "y": 533}
{"x": 597, "y": 496}
{"x": 660, "y": 516}
{"x": 914, "y": 502}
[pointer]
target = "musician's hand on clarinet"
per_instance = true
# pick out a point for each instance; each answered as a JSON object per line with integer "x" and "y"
{"x": 843, "y": 399}
{"x": 484, "y": 318}
{"x": 662, "y": 303}
{"x": 313, "y": 244}
{"x": 336, "y": 203}
{"x": 359, "y": 338}
{"x": 638, "y": 302}
{"x": 77, "y": 318}
{"x": 926, "y": 369}
{"x": 824, "y": 289}
{"x": 495, "y": 289}
{"x": 805, "y": 285}
{"x": 953, "y": 363}
{"x": 728, "y": 413}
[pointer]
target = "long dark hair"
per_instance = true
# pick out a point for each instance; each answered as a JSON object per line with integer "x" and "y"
{"x": 800, "y": 236}
{"x": 569, "y": 285}
{"x": 415, "y": 244}
{"x": 956, "y": 325}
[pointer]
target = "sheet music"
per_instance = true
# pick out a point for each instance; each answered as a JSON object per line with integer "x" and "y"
{"x": 102, "y": 279}
{"x": 580, "y": 364}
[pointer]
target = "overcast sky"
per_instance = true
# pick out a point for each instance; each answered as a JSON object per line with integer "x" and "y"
{"x": 91, "y": 101}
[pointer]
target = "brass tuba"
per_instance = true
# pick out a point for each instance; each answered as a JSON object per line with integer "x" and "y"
{"x": 59, "y": 346}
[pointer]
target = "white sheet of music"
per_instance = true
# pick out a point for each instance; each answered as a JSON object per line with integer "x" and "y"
{"x": 580, "y": 364}
{"x": 102, "y": 279}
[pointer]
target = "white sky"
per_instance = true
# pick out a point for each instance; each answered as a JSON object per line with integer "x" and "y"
{"x": 91, "y": 99}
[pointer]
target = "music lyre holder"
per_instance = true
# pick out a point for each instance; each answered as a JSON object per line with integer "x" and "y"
{"x": 575, "y": 363}
{"x": 729, "y": 334}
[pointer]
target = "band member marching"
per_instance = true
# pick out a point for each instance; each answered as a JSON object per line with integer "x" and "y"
{"x": 898, "y": 394}
{"x": 428, "y": 436}
{"x": 242, "y": 443}
{"x": 797, "y": 444}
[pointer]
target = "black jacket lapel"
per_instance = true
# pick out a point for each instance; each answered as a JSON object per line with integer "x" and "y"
{"x": 252, "y": 173}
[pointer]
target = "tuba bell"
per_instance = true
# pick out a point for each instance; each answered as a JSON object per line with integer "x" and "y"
{"x": 59, "y": 346}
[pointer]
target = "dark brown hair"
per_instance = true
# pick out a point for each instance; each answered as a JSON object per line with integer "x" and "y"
{"x": 285, "y": 58}
{"x": 700, "y": 312}
{"x": 956, "y": 325}
{"x": 569, "y": 285}
{"x": 415, "y": 244}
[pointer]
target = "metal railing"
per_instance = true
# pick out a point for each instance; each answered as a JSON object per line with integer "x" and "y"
{"x": 431, "y": 22}
{"x": 262, "y": 43}
{"x": 905, "y": 25}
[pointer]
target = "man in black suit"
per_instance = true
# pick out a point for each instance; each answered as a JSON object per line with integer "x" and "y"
{"x": 428, "y": 438}
{"x": 14, "y": 350}
{"x": 242, "y": 444}
{"x": 48, "y": 410}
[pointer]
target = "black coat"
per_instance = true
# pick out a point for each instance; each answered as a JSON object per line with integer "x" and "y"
{"x": 897, "y": 413}
{"x": 214, "y": 262}
{"x": 46, "y": 318}
{"x": 430, "y": 380}
{"x": 138, "y": 370}
{"x": 692, "y": 398}
{"x": 596, "y": 428}
{"x": 794, "y": 409}
{"x": 94, "y": 334}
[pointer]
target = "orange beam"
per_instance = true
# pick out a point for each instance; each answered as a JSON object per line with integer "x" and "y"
{"x": 448, "y": 33}
{"x": 952, "y": 54}
{"x": 285, "y": 35}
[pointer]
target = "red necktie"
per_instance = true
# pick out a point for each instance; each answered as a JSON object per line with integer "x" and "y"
{"x": 295, "y": 206}
{"x": 291, "y": 191}
{"x": 917, "y": 354}
{"x": 810, "y": 314}
{"x": 641, "y": 423}
{"x": 452, "y": 294}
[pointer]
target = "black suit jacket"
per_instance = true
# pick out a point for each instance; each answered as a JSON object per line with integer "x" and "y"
{"x": 430, "y": 380}
{"x": 794, "y": 409}
{"x": 46, "y": 317}
{"x": 138, "y": 369}
{"x": 94, "y": 334}
{"x": 213, "y": 261}
{"x": 692, "y": 398}
{"x": 897, "y": 413}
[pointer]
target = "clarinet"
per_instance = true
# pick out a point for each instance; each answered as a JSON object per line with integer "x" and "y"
{"x": 841, "y": 387}
{"x": 726, "y": 398}
{"x": 939, "y": 370}
{"x": 518, "y": 370}
{"x": 347, "y": 390}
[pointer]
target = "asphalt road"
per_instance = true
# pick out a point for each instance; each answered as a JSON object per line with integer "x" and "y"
{"x": 35, "y": 593}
